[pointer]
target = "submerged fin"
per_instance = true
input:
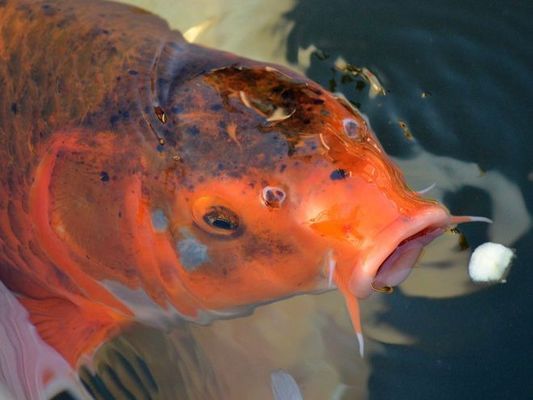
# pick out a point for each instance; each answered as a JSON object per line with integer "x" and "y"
{"x": 29, "y": 368}
{"x": 284, "y": 387}
{"x": 72, "y": 329}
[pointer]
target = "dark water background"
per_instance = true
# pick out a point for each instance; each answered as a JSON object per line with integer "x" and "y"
{"x": 474, "y": 59}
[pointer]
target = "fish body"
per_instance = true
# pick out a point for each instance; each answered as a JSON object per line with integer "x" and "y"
{"x": 146, "y": 178}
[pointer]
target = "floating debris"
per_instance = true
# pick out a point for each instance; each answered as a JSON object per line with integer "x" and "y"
{"x": 195, "y": 31}
{"x": 320, "y": 54}
{"x": 406, "y": 131}
{"x": 462, "y": 242}
{"x": 490, "y": 262}
{"x": 376, "y": 88}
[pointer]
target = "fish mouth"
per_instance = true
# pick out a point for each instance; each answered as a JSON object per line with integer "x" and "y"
{"x": 394, "y": 255}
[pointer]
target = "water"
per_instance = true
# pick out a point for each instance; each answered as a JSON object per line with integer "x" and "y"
{"x": 457, "y": 76}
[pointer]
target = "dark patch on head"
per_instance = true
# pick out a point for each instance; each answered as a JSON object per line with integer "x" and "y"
{"x": 266, "y": 244}
{"x": 248, "y": 118}
{"x": 49, "y": 10}
{"x": 104, "y": 176}
{"x": 339, "y": 174}
{"x": 176, "y": 109}
{"x": 193, "y": 130}
{"x": 133, "y": 72}
{"x": 114, "y": 119}
{"x": 96, "y": 31}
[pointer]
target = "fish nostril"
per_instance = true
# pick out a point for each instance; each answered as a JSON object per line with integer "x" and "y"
{"x": 350, "y": 127}
{"x": 273, "y": 196}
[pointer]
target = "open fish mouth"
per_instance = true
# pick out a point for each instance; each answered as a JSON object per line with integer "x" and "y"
{"x": 396, "y": 251}
{"x": 398, "y": 265}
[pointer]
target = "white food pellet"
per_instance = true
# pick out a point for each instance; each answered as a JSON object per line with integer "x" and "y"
{"x": 489, "y": 262}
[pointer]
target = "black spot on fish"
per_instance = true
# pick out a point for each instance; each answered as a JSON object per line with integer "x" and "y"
{"x": 176, "y": 109}
{"x": 14, "y": 108}
{"x": 339, "y": 174}
{"x": 48, "y": 10}
{"x": 133, "y": 72}
{"x": 104, "y": 176}
{"x": 193, "y": 131}
{"x": 114, "y": 119}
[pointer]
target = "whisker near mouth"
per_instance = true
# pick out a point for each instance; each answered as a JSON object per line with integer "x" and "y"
{"x": 428, "y": 189}
{"x": 331, "y": 268}
{"x": 461, "y": 219}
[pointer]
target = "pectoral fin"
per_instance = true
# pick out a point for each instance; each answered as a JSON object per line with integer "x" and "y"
{"x": 73, "y": 329}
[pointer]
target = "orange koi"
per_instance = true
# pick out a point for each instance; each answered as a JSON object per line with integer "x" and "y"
{"x": 144, "y": 178}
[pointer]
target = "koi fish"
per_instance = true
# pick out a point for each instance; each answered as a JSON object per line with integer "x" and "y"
{"x": 145, "y": 178}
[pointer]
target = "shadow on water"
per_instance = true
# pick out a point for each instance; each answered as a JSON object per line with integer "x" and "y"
{"x": 459, "y": 74}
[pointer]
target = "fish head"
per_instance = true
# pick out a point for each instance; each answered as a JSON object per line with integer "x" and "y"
{"x": 284, "y": 189}
{"x": 261, "y": 185}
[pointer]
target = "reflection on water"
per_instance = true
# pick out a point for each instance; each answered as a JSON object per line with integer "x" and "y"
{"x": 162, "y": 367}
{"x": 458, "y": 76}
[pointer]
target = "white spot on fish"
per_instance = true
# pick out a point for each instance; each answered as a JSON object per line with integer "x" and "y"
{"x": 143, "y": 306}
{"x": 192, "y": 252}
{"x": 159, "y": 220}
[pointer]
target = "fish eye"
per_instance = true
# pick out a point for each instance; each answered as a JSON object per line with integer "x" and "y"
{"x": 220, "y": 217}
{"x": 212, "y": 215}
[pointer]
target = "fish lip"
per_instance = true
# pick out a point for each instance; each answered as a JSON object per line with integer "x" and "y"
{"x": 417, "y": 231}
